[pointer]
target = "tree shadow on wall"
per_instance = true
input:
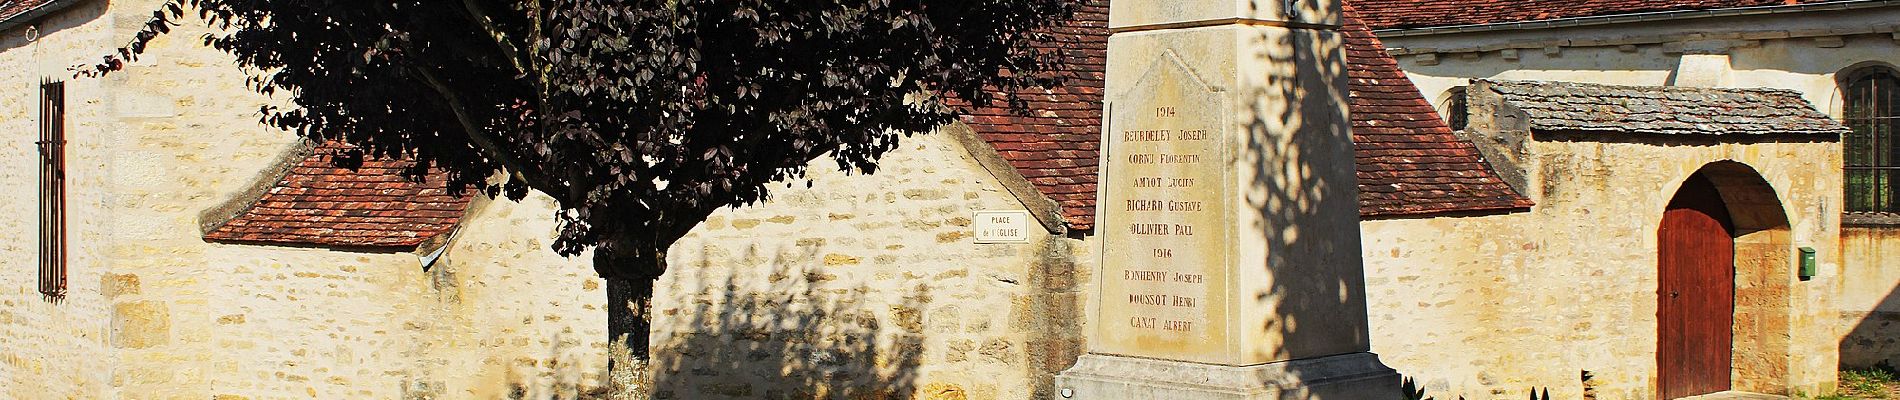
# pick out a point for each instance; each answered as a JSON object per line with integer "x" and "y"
{"x": 1875, "y": 340}
{"x": 797, "y": 338}
{"x": 558, "y": 374}
{"x": 1306, "y": 194}
{"x": 563, "y": 365}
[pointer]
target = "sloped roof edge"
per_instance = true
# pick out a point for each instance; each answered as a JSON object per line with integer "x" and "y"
{"x": 1410, "y": 163}
{"x": 1054, "y": 143}
{"x": 316, "y": 204}
{"x": 16, "y": 12}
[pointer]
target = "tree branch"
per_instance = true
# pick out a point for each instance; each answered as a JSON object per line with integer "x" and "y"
{"x": 535, "y": 178}
{"x": 527, "y": 67}
{"x": 480, "y": 17}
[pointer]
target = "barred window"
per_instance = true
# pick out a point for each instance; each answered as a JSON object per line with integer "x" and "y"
{"x": 1872, "y": 158}
{"x": 52, "y": 149}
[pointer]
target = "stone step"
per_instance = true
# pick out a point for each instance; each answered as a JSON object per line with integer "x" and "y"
{"x": 1736, "y": 396}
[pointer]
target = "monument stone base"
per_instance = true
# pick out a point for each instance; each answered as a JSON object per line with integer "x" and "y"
{"x": 1356, "y": 376}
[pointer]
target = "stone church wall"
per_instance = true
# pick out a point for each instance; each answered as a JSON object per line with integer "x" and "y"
{"x": 39, "y": 339}
{"x": 1803, "y": 54}
{"x": 155, "y": 312}
{"x": 1489, "y": 307}
{"x": 1871, "y": 296}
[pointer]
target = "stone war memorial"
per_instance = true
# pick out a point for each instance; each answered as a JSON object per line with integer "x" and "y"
{"x": 1231, "y": 265}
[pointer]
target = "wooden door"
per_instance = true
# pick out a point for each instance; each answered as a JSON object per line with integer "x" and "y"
{"x": 1696, "y": 307}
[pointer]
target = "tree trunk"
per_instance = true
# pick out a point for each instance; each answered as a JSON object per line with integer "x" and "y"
{"x": 629, "y": 318}
{"x": 629, "y": 325}
{"x": 630, "y": 271}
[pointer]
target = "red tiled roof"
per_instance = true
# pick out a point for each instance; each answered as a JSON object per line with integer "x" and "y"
{"x": 13, "y": 8}
{"x": 316, "y": 203}
{"x": 1054, "y": 146}
{"x": 1389, "y": 14}
{"x": 1410, "y": 162}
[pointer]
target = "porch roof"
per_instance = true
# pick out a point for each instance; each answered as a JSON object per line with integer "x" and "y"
{"x": 1585, "y": 107}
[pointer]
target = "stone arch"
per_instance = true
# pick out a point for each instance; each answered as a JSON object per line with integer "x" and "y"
{"x": 1837, "y": 101}
{"x": 1764, "y": 277}
{"x": 1861, "y": 68}
{"x": 1454, "y": 107}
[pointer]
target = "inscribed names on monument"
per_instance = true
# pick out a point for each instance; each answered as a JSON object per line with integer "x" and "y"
{"x": 1165, "y": 209}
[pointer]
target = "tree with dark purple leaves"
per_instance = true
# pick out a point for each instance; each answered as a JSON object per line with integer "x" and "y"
{"x": 639, "y": 118}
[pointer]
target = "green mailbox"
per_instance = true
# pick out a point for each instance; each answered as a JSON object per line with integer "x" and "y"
{"x": 1807, "y": 263}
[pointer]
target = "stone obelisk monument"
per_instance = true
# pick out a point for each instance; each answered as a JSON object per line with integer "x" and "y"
{"x": 1228, "y": 211}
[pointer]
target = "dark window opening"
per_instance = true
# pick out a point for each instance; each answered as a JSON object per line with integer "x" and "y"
{"x": 52, "y": 149}
{"x": 1872, "y": 159}
{"x": 1457, "y": 109}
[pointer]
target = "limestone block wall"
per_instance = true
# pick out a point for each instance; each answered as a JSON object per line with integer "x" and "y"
{"x": 1489, "y": 307}
{"x": 154, "y": 312}
{"x": 182, "y": 137}
{"x": 497, "y": 315}
{"x": 70, "y": 339}
{"x": 1870, "y": 296}
{"x": 506, "y": 315}
{"x": 861, "y": 286}
{"x": 871, "y": 287}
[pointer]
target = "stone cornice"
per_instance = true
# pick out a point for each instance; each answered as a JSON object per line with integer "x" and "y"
{"x": 1645, "y": 17}
{"x": 1673, "y": 43}
{"x": 1825, "y": 27}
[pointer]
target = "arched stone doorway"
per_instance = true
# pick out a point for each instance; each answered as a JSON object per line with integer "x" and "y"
{"x": 1724, "y": 273}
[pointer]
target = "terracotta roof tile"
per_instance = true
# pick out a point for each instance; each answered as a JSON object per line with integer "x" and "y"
{"x": 1390, "y": 14}
{"x": 15, "y": 8}
{"x": 316, "y": 203}
{"x": 1409, "y": 160}
{"x": 1054, "y": 144}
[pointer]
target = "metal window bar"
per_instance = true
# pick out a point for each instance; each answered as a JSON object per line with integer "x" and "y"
{"x": 1458, "y": 109}
{"x": 52, "y": 149}
{"x": 1872, "y": 153}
